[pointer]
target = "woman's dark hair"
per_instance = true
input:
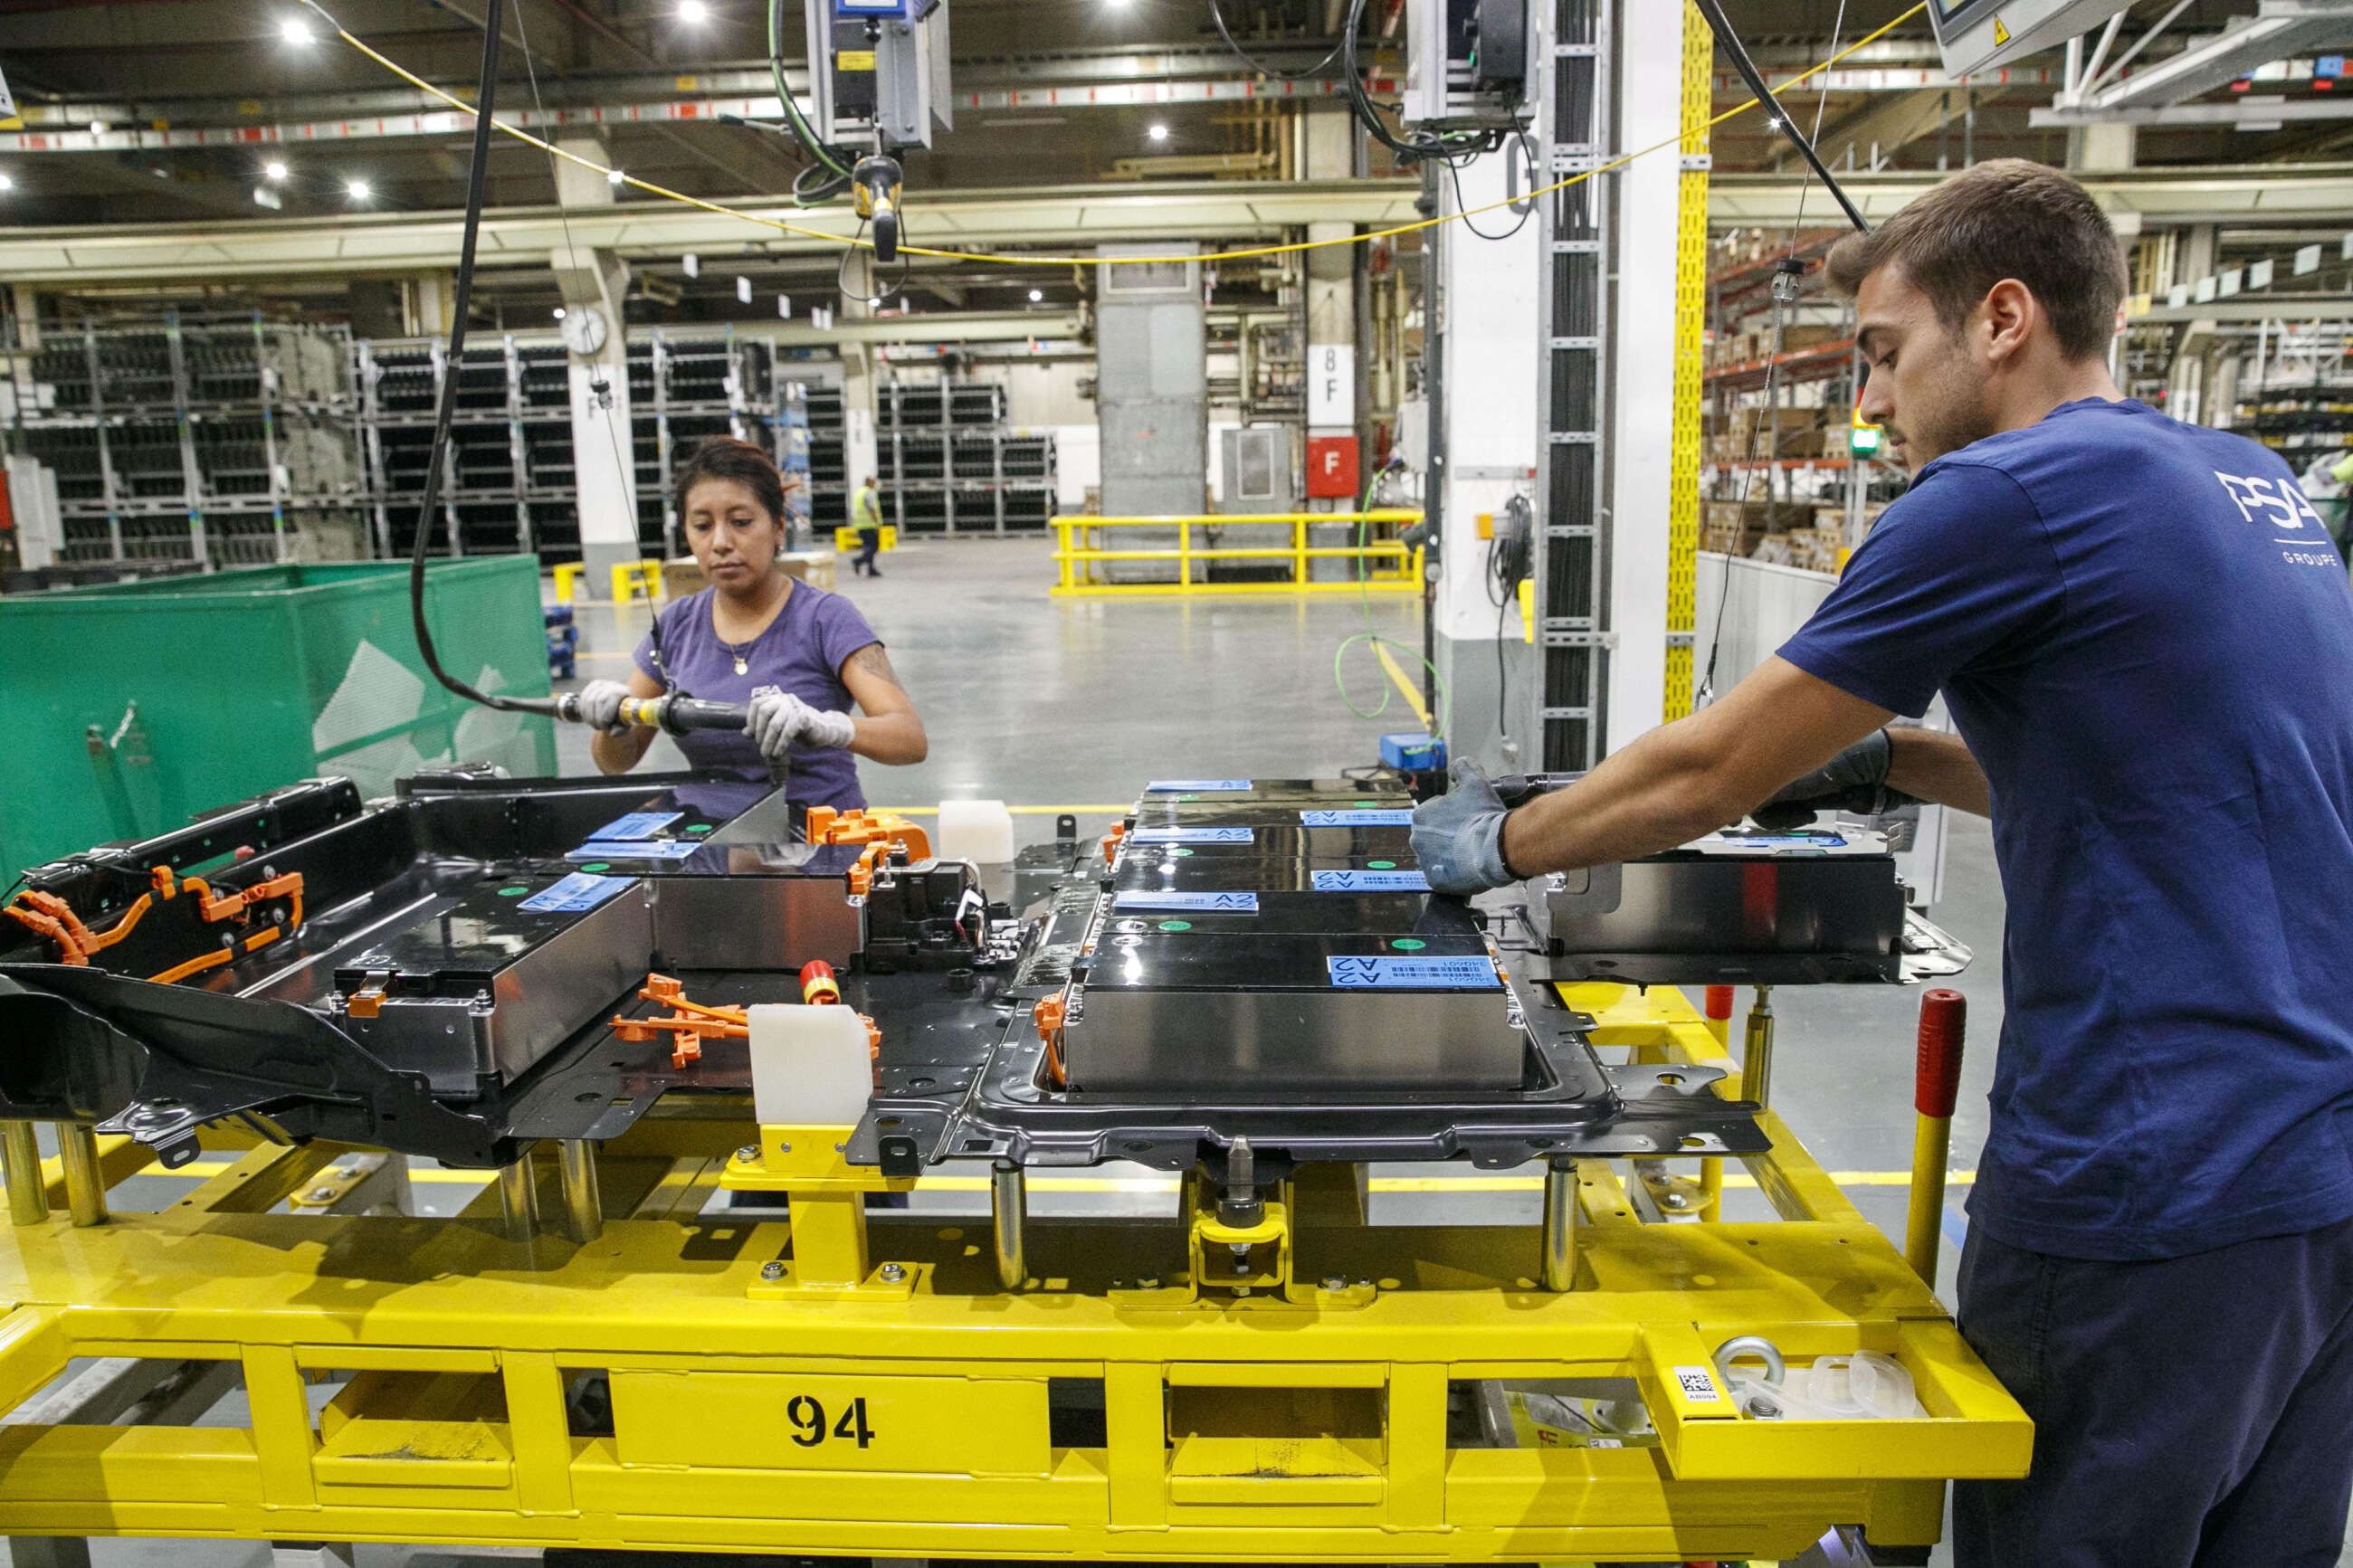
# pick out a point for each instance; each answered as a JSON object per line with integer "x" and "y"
{"x": 724, "y": 458}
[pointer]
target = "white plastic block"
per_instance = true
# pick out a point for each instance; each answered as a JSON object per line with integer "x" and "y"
{"x": 811, "y": 1066}
{"x": 975, "y": 830}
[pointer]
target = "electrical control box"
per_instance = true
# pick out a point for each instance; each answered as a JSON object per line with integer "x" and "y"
{"x": 1468, "y": 63}
{"x": 1975, "y": 34}
{"x": 880, "y": 75}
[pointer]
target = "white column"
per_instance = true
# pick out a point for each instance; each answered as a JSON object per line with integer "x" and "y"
{"x": 1486, "y": 451}
{"x": 1643, "y": 371}
{"x": 604, "y": 466}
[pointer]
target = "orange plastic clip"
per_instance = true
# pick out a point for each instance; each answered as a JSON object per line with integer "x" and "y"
{"x": 1047, "y": 1014}
{"x": 688, "y": 1023}
{"x": 1112, "y": 841}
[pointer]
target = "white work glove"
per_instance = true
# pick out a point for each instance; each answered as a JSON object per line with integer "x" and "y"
{"x": 779, "y": 720}
{"x": 600, "y": 706}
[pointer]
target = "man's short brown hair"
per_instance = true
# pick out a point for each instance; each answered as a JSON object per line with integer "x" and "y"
{"x": 2005, "y": 218}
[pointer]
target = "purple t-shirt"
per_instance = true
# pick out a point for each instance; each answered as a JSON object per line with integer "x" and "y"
{"x": 802, "y": 652}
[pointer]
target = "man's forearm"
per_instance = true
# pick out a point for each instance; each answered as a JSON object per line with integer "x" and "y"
{"x": 1930, "y": 766}
{"x": 1652, "y": 796}
{"x": 1692, "y": 776}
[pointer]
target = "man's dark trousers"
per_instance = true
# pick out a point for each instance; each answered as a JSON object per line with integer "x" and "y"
{"x": 2189, "y": 1413}
{"x": 869, "y": 540}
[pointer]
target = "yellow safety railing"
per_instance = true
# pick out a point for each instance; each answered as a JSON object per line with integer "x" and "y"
{"x": 1385, "y": 563}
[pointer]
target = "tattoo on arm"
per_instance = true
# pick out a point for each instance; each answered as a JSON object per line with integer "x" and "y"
{"x": 875, "y": 662}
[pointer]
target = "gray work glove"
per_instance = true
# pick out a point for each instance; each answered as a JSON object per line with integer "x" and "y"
{"x": 1855, "y": 781}
{"x": 1458, "y": 836}
{"x": 600, "y": 706}
{"x": 779, "y": 720}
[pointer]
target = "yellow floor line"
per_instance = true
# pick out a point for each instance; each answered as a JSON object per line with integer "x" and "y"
{"x": 196, "y": 1169}
{"x": 1396, "y": 674}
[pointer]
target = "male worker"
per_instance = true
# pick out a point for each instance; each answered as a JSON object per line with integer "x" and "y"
{"x": 867, "y": 518}
{"x": 2146, "y": 643}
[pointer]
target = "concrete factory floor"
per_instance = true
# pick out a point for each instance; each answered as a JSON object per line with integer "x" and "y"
{"x": 1073, "y": 704}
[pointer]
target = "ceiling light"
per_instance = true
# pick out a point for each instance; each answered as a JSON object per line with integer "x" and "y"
{"x": 1036, "y": 295}
{"x": 1158, "y": 132}
{"x": 8, "y": 182}
{"x": 99, "y": 127}
{"x": 614, "y": 177}
{"x": 559, "y": 312}
{"x": 294, "y": 30}
{"x": 274, "y": 170}
{"x": 694, "y": 11}
{"x": 358, "y": 189}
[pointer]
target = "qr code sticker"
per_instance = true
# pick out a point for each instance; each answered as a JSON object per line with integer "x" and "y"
{"x": 1698, "y": 1386}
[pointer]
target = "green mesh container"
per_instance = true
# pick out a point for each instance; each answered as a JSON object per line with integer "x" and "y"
{"x": 132, "y": 706}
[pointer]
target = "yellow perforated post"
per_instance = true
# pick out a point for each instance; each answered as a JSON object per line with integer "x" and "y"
{"x": 1690, "y": 321}
{"x": 567, "y": 580}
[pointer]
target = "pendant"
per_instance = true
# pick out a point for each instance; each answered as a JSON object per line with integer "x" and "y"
{"x": 742, "y": 667}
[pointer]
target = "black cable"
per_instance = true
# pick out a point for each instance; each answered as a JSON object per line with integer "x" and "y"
{"x": 1462, "y": 208}
{"x": 841, "y": 272}
{"x": 1218, "y": 15}
{"x": 486, "y": 92}
{"x": 1443, "y": 148}
{"x": 1729, "y": 41}
{"x": 1503, "y": 675}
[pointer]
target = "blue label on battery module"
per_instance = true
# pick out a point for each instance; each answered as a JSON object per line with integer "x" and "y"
{"x": 1782, "y": 840}
{"x": 1195, "y": 786}
{"x": 1190, "y": 836}
{"x": 1371, "y": 882}
{"x": 581, "y": 890}
{"x": 1204, "y": 903}
{"x": 1418, "y": 974}
{"x": 637, "y": 824}
{"x": 1357, "y": 818}
{"x": 643, "y": 849}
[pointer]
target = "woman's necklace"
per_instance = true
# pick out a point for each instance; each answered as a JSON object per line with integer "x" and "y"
{"x": 742, "y": 652}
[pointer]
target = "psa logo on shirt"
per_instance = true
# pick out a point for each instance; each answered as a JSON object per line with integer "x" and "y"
{"x": 2279, "y": 505}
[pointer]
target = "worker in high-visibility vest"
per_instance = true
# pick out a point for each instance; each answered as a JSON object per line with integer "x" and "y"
{"x": 866, "y": 516}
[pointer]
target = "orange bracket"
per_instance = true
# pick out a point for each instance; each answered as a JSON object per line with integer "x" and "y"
{"x": 691, "y": 1023}
{"x": 828, "y": 826}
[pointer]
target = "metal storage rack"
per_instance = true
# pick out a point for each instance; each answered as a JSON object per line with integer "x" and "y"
{"x": 949, "y": 466}
{"x": 213, "y": 442}
{"x": 512, "y": 484}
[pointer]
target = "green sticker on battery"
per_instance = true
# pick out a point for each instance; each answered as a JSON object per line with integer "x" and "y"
{"x": 598, "y": 865}
{"x": 698, "y": 827}
{"x": 516, "y": 892}
{"x": 1179, "y": 853}
{"x": 1409, "y": 944}
{"x": 1380, "y": 865}
{"x": 1175, "y": 925}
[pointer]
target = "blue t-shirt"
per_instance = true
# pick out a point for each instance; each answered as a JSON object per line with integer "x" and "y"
{"x": 2146, "y": 639}
{"x": 802, "y": 652}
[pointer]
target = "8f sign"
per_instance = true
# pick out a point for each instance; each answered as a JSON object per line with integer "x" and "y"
{"x": 1331, "y": 386}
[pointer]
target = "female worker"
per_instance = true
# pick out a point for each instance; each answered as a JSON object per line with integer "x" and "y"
{"x": 798, "y": 656}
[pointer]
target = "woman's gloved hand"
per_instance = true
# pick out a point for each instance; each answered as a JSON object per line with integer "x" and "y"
{"x": 779, "y": 720}
{"x": 1458, "y": 836}
{"x": 600, "y": 706}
